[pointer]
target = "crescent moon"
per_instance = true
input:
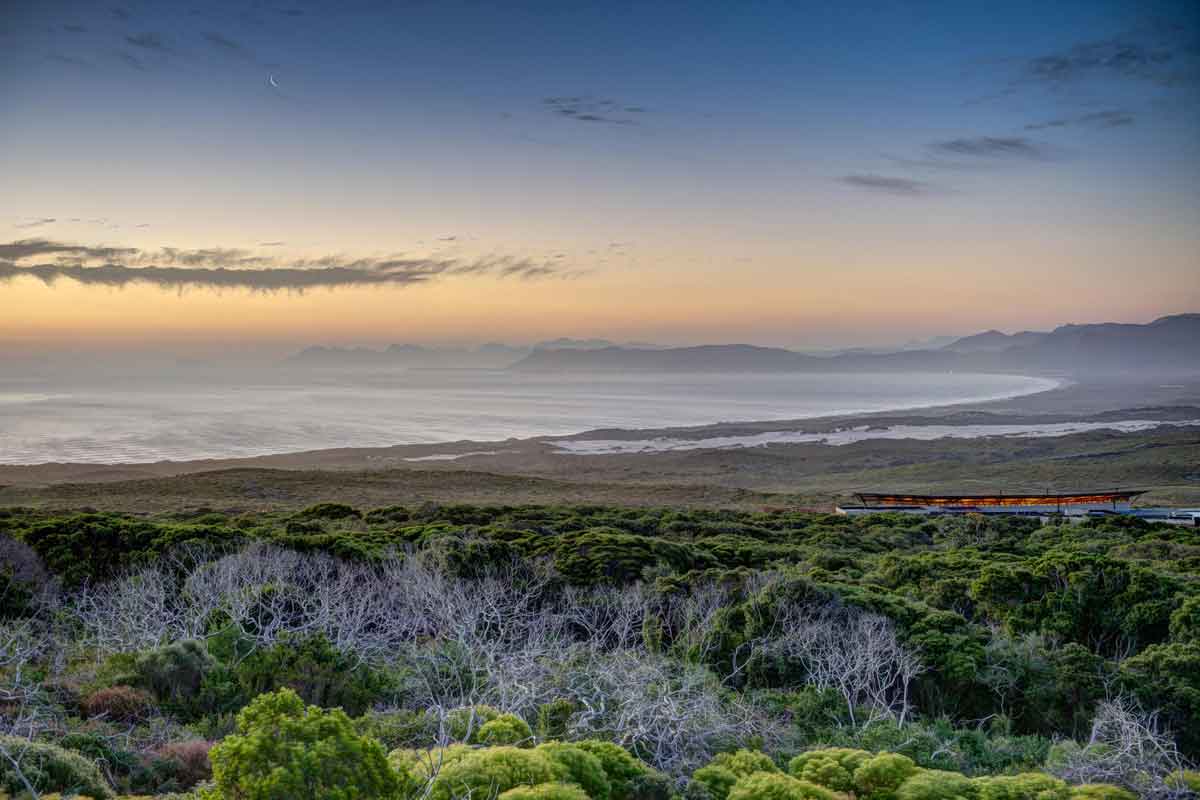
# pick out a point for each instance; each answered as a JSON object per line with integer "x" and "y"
{"x": 271, "y": 80}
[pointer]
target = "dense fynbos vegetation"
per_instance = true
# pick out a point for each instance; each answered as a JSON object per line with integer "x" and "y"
{"x": 611, "y": 654}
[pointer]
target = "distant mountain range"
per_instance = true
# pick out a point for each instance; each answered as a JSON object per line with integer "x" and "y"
{"x": 993, "y": 341}
{"x": 1167, "y": 344}
{"x": 492, "y": 355}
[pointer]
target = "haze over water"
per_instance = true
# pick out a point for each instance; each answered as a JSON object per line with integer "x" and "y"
{"x": 153, "y": 419}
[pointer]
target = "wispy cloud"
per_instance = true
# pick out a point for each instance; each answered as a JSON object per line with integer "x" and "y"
{"x": 34, "y": 248}
{"x": 220, "y": 42}
{"x": 36, "y": 223}
{"x": 990, "y": 147}
{"x": 585, "y": 108}
{"x": 1096, "y": 119}
{"x": 131, "y": 60}
{"x": 1163, "y": 60}
{"x": 886, "y": 184}
{"x": 149, "y": 41}
{"x": 234, "y": 268}
{"x": 72, "y": 60}
{"x": 229, "y": 47}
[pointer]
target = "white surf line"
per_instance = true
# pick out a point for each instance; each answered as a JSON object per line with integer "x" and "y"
{"x": 856, "y": 434}
{"x": 456, "y": 456}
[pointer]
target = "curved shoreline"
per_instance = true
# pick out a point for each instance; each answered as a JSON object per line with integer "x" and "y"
{"x": 531, "y": 426}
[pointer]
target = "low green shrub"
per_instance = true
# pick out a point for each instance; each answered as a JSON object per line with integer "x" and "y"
{"x": 583, "y": 768}
{"x": 720, "y": 775}
{"x": 553, "y": 718}
{"x": 505, "y": 729}
{"x": 778, "y": 786}
{"x": 880, "y": 776}
{"x": 317, "y": 671}
{"x": 284, "y": 750}
{"x": 1027, "y": 786}
{"x": 397, "y": 728}
{"x": 717, "y": 781}
{"x": 175, "y": 673}
{"x": 832, "y": 767}
{"x": 1104, "y": 791}
{"x": 48, "y": 768}
{"x": 625, "y": 772}
{"x": 546, "y": 791}
{"x": 936, "y": 784}
{"x": 97, "y": 747}
{"x": 494, "y": 770}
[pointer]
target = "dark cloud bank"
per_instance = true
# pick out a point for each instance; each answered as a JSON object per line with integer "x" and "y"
{"x": 239, "y": 269}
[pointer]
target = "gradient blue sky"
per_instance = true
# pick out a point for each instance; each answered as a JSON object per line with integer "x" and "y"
{"x": 792, "y": 173}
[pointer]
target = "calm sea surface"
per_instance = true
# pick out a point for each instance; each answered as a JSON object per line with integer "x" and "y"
{"x": 150, "y": 419}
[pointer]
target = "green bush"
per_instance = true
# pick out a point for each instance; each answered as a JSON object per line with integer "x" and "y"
{"x": 880, "y": 776}
{"x": 1185, "y": 621}
{"x": 717, "y": 781}
{"x": 317, "y": 671}
{"x": 94, "y": 547}
{"x": 936, "y": 784}
{"x": 285, "y": 751}
{"x": 494, "y": 770}
{"x": 546, "y": 791}
{"x": 49, "y": 768}
{"x": 505, "y": 729}
{"x": 726, "y": 769}
{"x": 415, "y": 766}
{"x": 583, "y": 768}
{"x": 745, "y": 762}
{"x": 938, "y": 744}
{"x": 554, "y": 717}
{"x": 397, "y": 728}
{"x": 487, "y": 725}
{"x": 1103, "y": 791}
{"x": 832, "y": 767}
{"x": 98, "y": 747}
{"x": 175, "y": 674}
{"x": 21, "y": 575}
{"x": 329, "y": 511}
{"x": 651, "y": 785}
{"x": 463, "y": 724}
{"x": 1167, "y": 676}
{"x": 1186, "y": 777}
{"x": 777, "y": 786}
{"x": 1028, "y": 786}
{"x": 626, "y": 773}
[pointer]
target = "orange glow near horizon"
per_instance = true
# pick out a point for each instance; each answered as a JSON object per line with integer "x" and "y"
{"x": 819, "y": 302}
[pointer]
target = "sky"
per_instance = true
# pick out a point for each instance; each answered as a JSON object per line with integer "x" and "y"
{"x": 213, "y": 176}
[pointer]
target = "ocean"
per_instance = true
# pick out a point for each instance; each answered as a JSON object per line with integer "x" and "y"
{"x": 182, "y": 416}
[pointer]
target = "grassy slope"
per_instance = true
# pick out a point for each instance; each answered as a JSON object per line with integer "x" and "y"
{"x": 1166, "y": 463}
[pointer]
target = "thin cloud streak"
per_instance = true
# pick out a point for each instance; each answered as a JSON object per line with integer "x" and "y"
{"x": 1164, "y": 62}
{"x": 886, "y": 184}
{"x": 593, "y": 109}
{"x": 990, "y": 147}
{"x": 1096, "y": 119}
{"x": 231, "y": 268}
